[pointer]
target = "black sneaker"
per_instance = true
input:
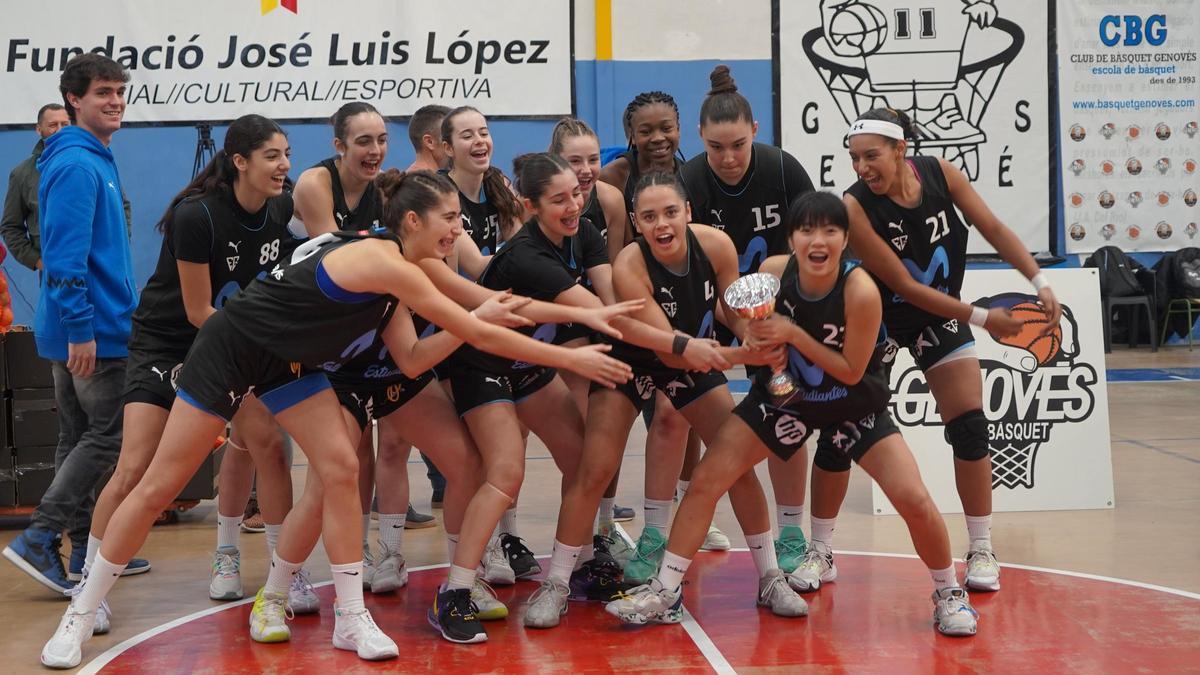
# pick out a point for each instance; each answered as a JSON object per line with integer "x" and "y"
{"x": 598, "y": 580}
{"x": 453, "y": 615}
{"x": 520, "y": 558}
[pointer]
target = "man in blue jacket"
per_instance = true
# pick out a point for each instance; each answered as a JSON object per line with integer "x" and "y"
{"x": 83, "y": 316}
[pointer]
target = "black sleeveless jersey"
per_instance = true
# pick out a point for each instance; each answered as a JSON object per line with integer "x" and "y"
{"x": 532, "y": 265}
{"x": 822, "y": 399}
{"x": 480, "y": 219}
{"x": 374, "y": 366}
{"x": 237, "y": 246}
{"x": 301, "y": 315}
{"x": 931, "y": 240}
{"x": 631, "y": 182}
{"x": 689, "y": 300}
{"x": 595, "y": 213}
{"x": 752, "y": 211}
{"x": 370, "y": 205}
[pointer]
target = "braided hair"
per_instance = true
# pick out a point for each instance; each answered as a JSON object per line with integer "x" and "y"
{"x": 641, "y": 101}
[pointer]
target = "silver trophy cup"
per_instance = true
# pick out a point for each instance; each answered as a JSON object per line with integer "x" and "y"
{"x": 753, "y": 298}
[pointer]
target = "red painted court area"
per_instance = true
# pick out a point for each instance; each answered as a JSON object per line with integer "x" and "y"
{"x": 875, "y": 619}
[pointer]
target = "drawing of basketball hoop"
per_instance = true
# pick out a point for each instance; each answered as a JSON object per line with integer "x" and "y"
{"x": 932, "y": 63}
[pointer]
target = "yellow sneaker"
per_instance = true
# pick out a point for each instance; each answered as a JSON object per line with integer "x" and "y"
{"x": 268, "y": 617}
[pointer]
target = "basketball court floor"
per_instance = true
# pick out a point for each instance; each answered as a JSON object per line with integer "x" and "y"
{"x": 1088, "y": 591}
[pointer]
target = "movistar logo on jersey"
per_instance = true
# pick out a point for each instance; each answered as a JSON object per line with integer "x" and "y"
{"x": 939, "y": 264}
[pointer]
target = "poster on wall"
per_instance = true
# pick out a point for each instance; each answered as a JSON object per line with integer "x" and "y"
{"x": 971, "y": 74}
{"x": 1045, "y": 398}
{"x": 1127, "y": 94}
{"x": 297, "y": 59}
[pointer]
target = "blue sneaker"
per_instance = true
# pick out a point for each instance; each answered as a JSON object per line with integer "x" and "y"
{"x": 75, "y": 567}
{"x": 35, "y": 552}
{"x": 622, "y": 514}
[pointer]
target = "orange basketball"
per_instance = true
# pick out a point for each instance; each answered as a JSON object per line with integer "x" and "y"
{"x": 1044, "y": 347}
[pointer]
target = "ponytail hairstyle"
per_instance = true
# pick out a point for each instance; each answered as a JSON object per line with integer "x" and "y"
{"x": 567, "y": 127}
{"x": 495, "y": 185}
{"x": 247, "y": 134}
{"x": 341, "y": 119}
{"x": 656, "y": 178}
{"x": 641, "y": 101}
{"x": 535, "y": 170}
{"x": 418, "y": 191}
{"x": 814, "y": 209}
{"x": 895, "y": 117}
{"x": 723, "y": 103}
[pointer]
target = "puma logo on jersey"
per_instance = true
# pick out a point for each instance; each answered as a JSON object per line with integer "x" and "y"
{"x": 897, "y": 226}
{"x": 669, "y": 292}
{"x": 232, "y": 262}
{"x": 762, "y": 408}
{"x": 466, "y": 219}
{"x": 160, "y": 373}
{"x": 341, "y": 218}
{"x": 716, "y": 214}
{"x": 900, "y": 242}
{"x": 494, "y": 380}
{"x": 951, "y": 325}
{"x": 790, "y": 307}
{"x": 233, "y": 245}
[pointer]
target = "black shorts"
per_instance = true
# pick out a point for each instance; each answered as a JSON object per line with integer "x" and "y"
{"x": 784, "y": 433}
{"x": 151, "y": 374}
{"x": 223, "y": 366}
{"x": 932, "y": 343}
{"x": 573, "y": 331}
{"x": 473, "y": 388}
{"x": 681, "y": 387}
{"x": 376, "y": 401}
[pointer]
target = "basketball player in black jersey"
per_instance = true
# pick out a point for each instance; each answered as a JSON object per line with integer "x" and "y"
{"x": 331, "y": 299}
{"x": 218, "y": 236}
{"x": 744, "y": 188}
{"x": 573, "y": 140}
{"x": 835, "y": 357}
{"x": 905, "y": 226}
{"x": 490, "y": 211}
{"x": 680, "y": 271}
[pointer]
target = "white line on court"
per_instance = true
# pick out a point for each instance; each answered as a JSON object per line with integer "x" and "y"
{"x": 689, "y": 623}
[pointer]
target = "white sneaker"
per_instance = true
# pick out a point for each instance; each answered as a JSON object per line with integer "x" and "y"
{"x": 487, "y": 606}
{"x": 268, "y": 617}
{"x": 547, "y": 605}
{"x": 774, "y": 592}
{"x": 226, "y": 581}
{"x": 368, "y": 574}
{"x": 648, "y": 603}
{"x": 496, "y": 568}
{"x": 357, "y": 632}
{"x": 715, "y": 540}
{"x": 953, "y": 613}
{"x": 983, "y": 570}
{"x": 302, "y": 599}
{"x": 65, "y": 649}
{"x": 390, "y": 572}
{"x": 817, "y": 568}
{"x": 103, "y": 622}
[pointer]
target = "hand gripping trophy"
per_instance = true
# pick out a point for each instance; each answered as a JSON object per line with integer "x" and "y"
{"x": 752, "y": 297}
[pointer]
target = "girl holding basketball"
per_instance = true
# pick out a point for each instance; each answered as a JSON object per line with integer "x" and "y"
{"x": 835, "y": 357}
{"x": 905, "y": 227}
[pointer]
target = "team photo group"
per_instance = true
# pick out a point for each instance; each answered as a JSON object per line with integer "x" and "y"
{"x": 462, "y": 306}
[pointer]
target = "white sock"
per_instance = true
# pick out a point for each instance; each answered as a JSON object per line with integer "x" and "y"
{"x": 671, "y": 572}
{"x": 227, "y": 530}
{"x": 979, "y": 530}
{"x": 604, "y": 517}
{"x": 279, "y": 579}
{"x": 391, "y": 530}
{"x": 93, "y": 547}
{"x": 366, "y": 520}
{"x": 272, "y": 537}
{"x": 347, "y": 585}
{"x": 681, "y": 488}
{"x": 508, "y": 522}
{"x": 99, "y": 582}
{"x": 451, "y": 547}
{"x": 944, "y": 578}
{"x": 822, "y": 530}
{"x": 789, "y": 516}
{"x": 762, "y": 549}
{"x": 562, "y": 561}
{"x": 658, "y": 513}
{"x": 460, "y": 577}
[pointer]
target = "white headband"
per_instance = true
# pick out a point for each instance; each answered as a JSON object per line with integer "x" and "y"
{"x": 881, "y": 127}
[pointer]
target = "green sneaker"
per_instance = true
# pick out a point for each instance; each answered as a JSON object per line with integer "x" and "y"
{"x": 651, "y": 546}
{"x": 790, "y": 548}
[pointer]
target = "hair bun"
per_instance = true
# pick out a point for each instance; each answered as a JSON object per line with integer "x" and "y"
{"x": 721, "y": 81}
{"x": 389, "y": 182}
